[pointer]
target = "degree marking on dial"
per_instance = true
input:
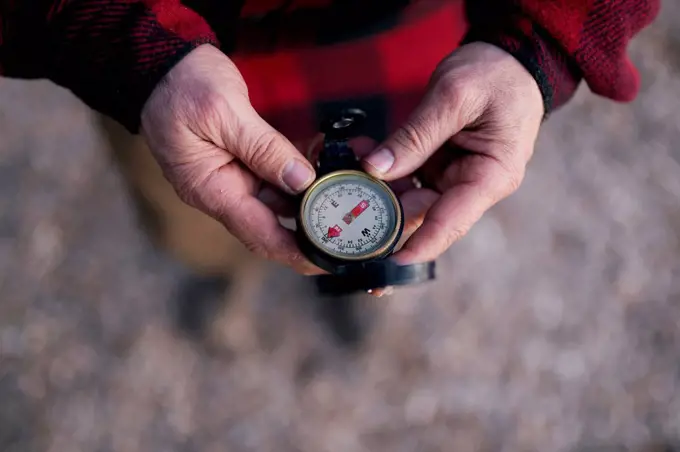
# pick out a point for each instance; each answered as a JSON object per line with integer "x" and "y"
{"x": 363, "y": 233}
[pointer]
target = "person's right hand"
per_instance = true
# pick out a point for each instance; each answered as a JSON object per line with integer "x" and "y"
{"x": 216, "y": 151}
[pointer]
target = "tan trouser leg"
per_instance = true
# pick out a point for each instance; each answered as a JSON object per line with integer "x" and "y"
{"x": 192, "y": 237}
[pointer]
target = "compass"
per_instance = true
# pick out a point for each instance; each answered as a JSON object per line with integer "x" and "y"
{"x": 351, "y": 216}
{"x": 350, "y": 222}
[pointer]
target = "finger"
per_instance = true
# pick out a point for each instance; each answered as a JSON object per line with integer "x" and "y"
{"x": 442, "y": 114}
{"x": 254, "y": 224}
{"x": 265, "y": 151}
{"x": 363, "y": 146}
{"x": 226, "y": 190}
{"x": 457, "y": 210}
{"x": 416, "y": 204}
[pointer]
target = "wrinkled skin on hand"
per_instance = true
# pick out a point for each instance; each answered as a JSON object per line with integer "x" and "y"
{"x": 468, "y": 143}
{"x": 218, "y": 153}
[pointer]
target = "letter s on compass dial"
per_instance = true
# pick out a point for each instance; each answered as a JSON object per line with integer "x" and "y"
{"x": 351, "y": 216}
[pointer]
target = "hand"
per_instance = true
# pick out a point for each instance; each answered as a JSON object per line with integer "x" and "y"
{"x": 469, "y": 141}
{"x": 216, "y": 152}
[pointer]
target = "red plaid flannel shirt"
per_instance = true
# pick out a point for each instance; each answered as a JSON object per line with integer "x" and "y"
{"x": 303, "y": 58}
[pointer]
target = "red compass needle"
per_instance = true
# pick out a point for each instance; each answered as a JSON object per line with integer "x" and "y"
{"x": 334, "y": 231}
{"x": 358, "y": 209}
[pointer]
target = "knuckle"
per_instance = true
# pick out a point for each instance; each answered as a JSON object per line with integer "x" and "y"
{"x": 204, "y": 110}
{"x": 450, "y": 88}
{"x": 257, "y": 248}
{"x": 186, "y": 194}
{"x": 451, "y": 233}
{"x": 227, "y": 207}
{"x": 512, "y": 177}
{"x": 415, "y": 137}
{"x": 187, "y": 186}
{"x": 210, "y": 108}
{"x": 193, "y": 189}
{"x": 456, "y": 233}
{"x": 262, "y": 149}
{"x": 463, "y": 95}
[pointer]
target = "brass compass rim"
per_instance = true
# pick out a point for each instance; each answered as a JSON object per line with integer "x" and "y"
{"x": 389, "y": 242}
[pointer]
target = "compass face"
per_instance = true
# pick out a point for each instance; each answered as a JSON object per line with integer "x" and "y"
{"x": 351, "y": 216}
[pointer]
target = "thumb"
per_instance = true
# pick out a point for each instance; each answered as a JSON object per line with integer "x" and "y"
{"x": 435, "y": 120}
{"x": 266, "y": 152}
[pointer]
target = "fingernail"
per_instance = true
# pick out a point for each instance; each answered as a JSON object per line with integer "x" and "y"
{"x": 382, "y": 160}
{"x": 297, "y": 175}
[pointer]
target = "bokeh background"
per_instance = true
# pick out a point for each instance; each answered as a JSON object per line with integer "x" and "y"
{"x": 556, "y": 327}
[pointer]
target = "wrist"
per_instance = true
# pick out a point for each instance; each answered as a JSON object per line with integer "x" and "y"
{"x": 555, "y": 74}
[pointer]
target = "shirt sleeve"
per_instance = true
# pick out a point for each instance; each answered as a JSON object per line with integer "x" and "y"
{"x": 109, "y": 53}
{"x": 562, "y": 42}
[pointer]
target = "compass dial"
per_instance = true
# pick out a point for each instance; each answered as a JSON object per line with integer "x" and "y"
{"x": 351, "y": 215}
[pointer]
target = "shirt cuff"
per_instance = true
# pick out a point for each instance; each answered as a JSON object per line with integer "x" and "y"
{"x": 553, "y": 69}
{"x": 110, "y": 54}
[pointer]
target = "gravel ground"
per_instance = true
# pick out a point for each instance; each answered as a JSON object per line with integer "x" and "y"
{"x": 557, "y": 329}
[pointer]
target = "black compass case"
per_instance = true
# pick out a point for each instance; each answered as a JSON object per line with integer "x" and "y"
{"x": 355, "y": 276}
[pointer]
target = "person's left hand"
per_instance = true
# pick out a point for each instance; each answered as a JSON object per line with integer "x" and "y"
{"x": 469, "y": 141}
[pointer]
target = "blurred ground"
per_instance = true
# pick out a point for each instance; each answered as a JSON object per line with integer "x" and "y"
{"x": 556, "y": 328}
